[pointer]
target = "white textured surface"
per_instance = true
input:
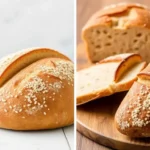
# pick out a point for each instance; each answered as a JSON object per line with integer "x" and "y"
{"x": 42, "y": 140}
{"x": 36, "y": 23}
{"x": 69, "y": 132}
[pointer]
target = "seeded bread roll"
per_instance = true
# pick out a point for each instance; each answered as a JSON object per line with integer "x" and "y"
{"x": 35, "y": 96}
{"x": 133, "y": 115}
{"x": 121, "y": 28}
{"x": 113, "y": 74}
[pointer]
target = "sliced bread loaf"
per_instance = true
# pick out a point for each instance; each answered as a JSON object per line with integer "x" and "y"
{"x": 122, "y": 28}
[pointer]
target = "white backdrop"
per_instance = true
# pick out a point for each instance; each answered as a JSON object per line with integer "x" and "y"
{"x": 37, "y": 23}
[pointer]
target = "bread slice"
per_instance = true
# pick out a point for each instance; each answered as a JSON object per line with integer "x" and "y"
{"x": 113, "y": 74}
{"x": 133, "y": 115}
{"x": 121, "y": 28}
{"x": 13, "y": 63}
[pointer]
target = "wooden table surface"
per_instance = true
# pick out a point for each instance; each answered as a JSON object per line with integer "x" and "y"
{"x": 85, "y": 8}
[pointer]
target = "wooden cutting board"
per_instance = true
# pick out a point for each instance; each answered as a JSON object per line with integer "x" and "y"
{"x": 95, "y": 119}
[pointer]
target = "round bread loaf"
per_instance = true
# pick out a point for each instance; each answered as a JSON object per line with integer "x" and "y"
{"x": 39, "y": 95}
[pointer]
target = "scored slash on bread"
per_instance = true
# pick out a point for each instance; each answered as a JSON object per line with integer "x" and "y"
{"x": 12, "y": 64}
{"x": 113, "y": 74}
{"x": 133, "y": 115}
{"x": 120, "y": 28}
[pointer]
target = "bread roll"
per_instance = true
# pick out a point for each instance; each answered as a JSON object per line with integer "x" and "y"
{"x": 113, "y": 74}
{"x": 34, "y": 90}
{"x": 121, "y": 28}
{"x": 133, "y": 115}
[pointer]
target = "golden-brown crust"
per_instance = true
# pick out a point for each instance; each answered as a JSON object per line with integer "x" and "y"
{"x": 128, "y": 62}
{"x": 119, "y": 58}
{"x": 118, "y": 8}
{"x": 37, "y": 96}
{"x": 125, "y": 86}
{"x": 23, "y": 59}
{"x": 104, "y": 16}
{"x": 132, "y": 117}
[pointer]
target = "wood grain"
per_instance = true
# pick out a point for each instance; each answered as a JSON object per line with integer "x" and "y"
{"x": 86, "y": 144}
{"x": 82, "y": 62}
{"x": 85, "y": 8}
{"x": 95, "y": 119}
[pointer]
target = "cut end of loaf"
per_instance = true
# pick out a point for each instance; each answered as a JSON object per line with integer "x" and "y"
{"x": 102, "y": 42}
{"x": 121, "y": 29}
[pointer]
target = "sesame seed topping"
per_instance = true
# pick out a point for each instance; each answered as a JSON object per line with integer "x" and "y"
{"x": 3, "y": 100}
{"x": 5, "y": 110}
{"x": 20, "y": 110}
{"x": 34, "y": 107}
{"x": 10, "y": 107}
{"x": 63, "y": 70}
{"x": 35, "y": 85}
